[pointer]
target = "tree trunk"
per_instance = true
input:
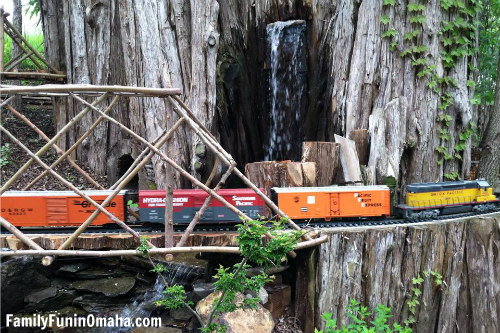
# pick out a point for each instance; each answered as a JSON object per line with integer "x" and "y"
{"x": 326, "y": 157}
{"x": 352, "y": 73}
{"x": 152, "y": 44}
{"x": 17, "y": 22}
{"x": 489, "y": 165}
{"x": 376, "y": 266}
{"x": 281, "y": 174}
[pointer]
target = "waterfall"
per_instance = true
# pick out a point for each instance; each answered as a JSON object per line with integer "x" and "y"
{"x": 286, "y": 60}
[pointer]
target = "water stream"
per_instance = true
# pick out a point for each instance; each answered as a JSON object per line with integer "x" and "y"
{"x": 287, "y": 65}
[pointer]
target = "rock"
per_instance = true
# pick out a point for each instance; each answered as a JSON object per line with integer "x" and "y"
{"x": 73, "y": 268}
{"x": 61, "y": 299}
{"x": 261, "y": 294}
{"x": 241, "y": 320}
{"x": 96, "y": 273}
{"x": 95, "y": 303}
{"x": 202, "y": 290}
{"x": 20, "y": 277}
{"x": 181, "y": 314}
{"x": 156, "y": 330}
{"x": 40, "y": 295}
{"x": 109, "y": 287}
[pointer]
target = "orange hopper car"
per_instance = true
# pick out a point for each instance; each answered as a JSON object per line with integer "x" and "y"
{"x": 60, "y": 208}
{"x": 333, "y": 201}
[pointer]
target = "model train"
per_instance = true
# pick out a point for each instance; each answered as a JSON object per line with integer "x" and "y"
{"x": 423, "y": 200}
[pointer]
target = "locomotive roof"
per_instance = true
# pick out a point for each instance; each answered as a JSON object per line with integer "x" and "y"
{"x": 56, "y": 193}
{"x": 331, "y": 189}
{"x": 446, "y": 186}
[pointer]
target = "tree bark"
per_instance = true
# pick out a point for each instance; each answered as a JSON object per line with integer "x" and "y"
{"x": 326, "y": 157}
{"x": 352, "y": 73}
{"x": 151, "y": 44}
{"x": 489, "y": 165}
{"x": 281, "y": 174}
{"x": 377, "y": 267}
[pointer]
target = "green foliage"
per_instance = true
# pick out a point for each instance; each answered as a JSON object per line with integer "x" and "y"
{"x": 253, "y": 246}
{"x": 175, "y": 298}
{"x": 420, "y": 19}
{"x": 159, "y": 268}
{"x": 419, "y": 62}
{"x": 415, "y": 7}
{"x": 360, "y": 318}
{"x": 384, "y": 19}
{"x": 33, "y": 8}
{"x": 5, "y": 152}
{"x": 233, "y": 280}
{"x": 144, "y": 247}
{"x": 416, "y": 292}
{"x": 27, "y": 64}
{"x": 132, "y": 204}
{"x": 389, "y": 33}
{"x": 389, "y": 2}
{"x": 412, "y": 34}
{"x": 488, "y": 49}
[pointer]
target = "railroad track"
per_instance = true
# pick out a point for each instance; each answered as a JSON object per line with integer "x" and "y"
{"x": 233, "y": 228}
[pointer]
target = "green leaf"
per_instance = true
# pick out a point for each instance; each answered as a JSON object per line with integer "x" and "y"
{"x": 389, "y": 2}
{"x": 471, "y": 83}
{"x": 412, "y": 34}
{"x": 415, "y": 7}
{"x": 420, "y": 19}
{"x": 384, "y": 19}
{"x": 389, "y": 33}
{"x": 419, "y": 62}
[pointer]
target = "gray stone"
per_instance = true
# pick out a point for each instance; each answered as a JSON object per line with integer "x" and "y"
{"x": 202, "y": 290}
{"x": 73, "y": 268}
{"x": 58, "y": 301}
{"x": 109, "y": 287}
{"x": 40, "y": 295}
{"x": 156, "y": 330}
{"x": 261, "y": 294}
{"x": 181, "y": 314}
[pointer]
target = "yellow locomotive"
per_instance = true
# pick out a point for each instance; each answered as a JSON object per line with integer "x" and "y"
{"x": 428, "y": 200}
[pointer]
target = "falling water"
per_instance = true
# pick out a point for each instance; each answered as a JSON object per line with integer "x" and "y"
{"x": 287, "y": 64}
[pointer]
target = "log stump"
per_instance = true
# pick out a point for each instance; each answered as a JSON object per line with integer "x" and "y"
{"x": 349, "y": 160}
{"x": 281, "y": 174}
{"x": 326, "y": 157}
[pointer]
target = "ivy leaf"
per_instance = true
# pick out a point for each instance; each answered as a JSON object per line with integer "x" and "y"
{"x": 418, "y": 19}
{"x": 384, "y": 19}
{"x": 389, "y": 2}
{"x": 389, "y": 33}
{"x": 415, "y": 7}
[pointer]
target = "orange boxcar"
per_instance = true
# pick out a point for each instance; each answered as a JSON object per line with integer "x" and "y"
{"x": 333, "y": 201}
{"x": 57, "y": 208}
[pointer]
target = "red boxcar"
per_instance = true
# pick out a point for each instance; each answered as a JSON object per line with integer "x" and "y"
{"x": 188, "y": 202}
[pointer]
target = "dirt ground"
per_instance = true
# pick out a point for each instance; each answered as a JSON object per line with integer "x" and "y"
{"x": 14, "y": 157}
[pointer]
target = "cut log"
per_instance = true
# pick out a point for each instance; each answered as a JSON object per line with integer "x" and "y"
{"x": 362, "y": 140}
{"x": 326, "y": 157}
{"x": 283, "y": 174}
{"x": 388, "y": 133}
{"x": 349, "y": 160}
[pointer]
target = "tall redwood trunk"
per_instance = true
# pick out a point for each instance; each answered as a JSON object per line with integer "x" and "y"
{"x": 353, "y": 77}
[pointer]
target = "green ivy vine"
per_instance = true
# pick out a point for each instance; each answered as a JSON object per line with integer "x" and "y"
{"x": 456, "y": 38}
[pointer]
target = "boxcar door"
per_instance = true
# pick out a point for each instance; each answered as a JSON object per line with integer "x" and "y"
{"x": 334, "y": 204}
{"x": 57, "y": 210}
